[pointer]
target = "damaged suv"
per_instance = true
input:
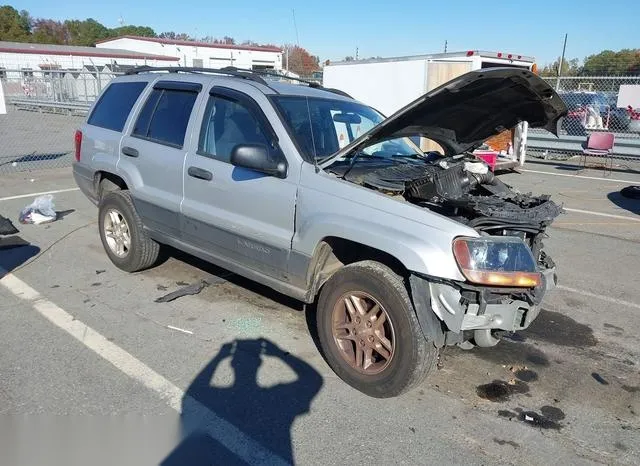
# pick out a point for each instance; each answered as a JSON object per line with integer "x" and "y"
{"x": 320, "y": 197}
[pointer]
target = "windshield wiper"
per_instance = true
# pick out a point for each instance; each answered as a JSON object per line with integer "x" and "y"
{"x": 351, "y": 163}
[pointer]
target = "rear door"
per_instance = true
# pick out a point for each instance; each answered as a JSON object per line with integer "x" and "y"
{"x": 154, "y": 151}
{"x": 234, "y": 213}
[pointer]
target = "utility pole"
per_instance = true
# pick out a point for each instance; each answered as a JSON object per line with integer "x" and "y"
{"x": 286, "y": 48}
{"x": 445, "y": 46}
{"x": 356, "y": 53}
{"x": 564, "y": 48}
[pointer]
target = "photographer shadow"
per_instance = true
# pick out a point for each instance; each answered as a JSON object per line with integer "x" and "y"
{"x": 245, "y": 422}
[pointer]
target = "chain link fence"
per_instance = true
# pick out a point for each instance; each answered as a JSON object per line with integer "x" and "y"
{"x": 596, "y": 104}
{"x": 44, "y": 107}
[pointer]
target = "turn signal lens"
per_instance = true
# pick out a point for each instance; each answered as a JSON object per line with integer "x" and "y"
{"x": 496, "y": 261}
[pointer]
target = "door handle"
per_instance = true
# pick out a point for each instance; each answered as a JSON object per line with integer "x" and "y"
{"x": 199, "y": 173}
{"x": 130, "y": 151}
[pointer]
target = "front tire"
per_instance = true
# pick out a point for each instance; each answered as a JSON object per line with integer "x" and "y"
{"x": 122, "y": 234}
{"x": 369, "y": 332}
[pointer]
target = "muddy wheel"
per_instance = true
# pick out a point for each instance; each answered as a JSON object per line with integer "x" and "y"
{"x": 123, "y": 237}
{"x": 369, "y": 332}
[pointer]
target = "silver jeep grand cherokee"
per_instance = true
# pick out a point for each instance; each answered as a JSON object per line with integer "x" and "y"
{"x": 321, "y": 198}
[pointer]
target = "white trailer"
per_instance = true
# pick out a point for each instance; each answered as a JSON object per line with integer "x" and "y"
{"x": 389, "y": 84}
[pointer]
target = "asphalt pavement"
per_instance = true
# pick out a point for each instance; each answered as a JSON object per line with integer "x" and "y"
{"x": 232, "y": 375}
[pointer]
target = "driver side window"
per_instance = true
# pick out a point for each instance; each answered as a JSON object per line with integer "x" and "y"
{"x": 227, "y": 123}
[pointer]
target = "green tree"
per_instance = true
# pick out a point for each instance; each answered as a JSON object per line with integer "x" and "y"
{"x": 569, "y": 68}
{"x": 14, "y": 26}
{"x": 86, "y": 32}
{"x": 178, "y": 36}
{"x": 608, "y": 62}
{"x": 140, "y": 31}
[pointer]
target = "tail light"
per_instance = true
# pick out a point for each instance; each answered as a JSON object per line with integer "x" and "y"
{"x": 78, "y": 141}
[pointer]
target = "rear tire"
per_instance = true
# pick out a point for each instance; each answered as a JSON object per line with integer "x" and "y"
{"x": 122, "y": 234}
{"x": 405, "y": 356}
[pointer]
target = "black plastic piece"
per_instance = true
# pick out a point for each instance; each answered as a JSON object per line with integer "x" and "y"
{"x": 179, "y": 69}
{"x": 256, "y": 157}
{"x": 6, "y": 227}
{"x": 429, "y": 323}
{"x": 178, "y": 86}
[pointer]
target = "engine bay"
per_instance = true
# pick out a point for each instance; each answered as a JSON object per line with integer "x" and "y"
{"x": 461, "y": 188}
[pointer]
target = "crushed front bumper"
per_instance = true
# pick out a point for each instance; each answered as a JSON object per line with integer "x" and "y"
{"x": 462, "y": 307}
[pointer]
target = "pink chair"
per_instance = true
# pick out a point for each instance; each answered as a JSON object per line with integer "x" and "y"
{"x": 599, "y": 144}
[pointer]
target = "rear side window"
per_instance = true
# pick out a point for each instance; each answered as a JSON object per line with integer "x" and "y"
{"x": 113, "y": 108}
{"x": 165, "y": 116}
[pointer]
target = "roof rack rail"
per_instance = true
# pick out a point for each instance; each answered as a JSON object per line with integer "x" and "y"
{"x": 275, "y": 75}
{"x": 251, "y": 75}
{"x": 228, "y": 71}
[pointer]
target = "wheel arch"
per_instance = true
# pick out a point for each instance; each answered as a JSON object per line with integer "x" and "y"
{"x": 334, "y": 252}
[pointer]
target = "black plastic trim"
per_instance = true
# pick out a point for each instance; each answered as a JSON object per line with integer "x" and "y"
{"x": 178, "y": 86}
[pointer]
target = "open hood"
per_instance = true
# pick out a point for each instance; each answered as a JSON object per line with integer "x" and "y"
{"x": 469, "y": 109}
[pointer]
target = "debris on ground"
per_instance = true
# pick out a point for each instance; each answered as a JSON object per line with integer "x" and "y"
{"x": 41, "y": 210}
{"x": 184, "y": 291}
{"x": 599, "y": 378}
{"x": 98, "y": 272}
{"x": 6, "y": 227}
{"x": 631, "y": 192}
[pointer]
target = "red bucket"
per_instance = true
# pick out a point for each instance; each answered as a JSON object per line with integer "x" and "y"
{"x": 488, "y": 156}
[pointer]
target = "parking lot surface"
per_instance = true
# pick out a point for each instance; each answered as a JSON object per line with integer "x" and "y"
{"x": 237, "y": 362}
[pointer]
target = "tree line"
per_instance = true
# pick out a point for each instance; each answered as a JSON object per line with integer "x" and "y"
{"x": 20, "y": 26}
{"x": 625, "y": 62}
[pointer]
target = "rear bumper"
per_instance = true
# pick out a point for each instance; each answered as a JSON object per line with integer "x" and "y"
{"x": 85, "y": 179}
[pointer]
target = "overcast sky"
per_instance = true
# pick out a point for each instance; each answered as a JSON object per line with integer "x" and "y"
{"x": 334, "y": 29}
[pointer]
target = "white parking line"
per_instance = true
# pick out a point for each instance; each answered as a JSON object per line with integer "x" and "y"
{"x": 602, "y": 214}
{"x": 600, "y": 297}
{"x": 218, "y": 428}
{"x": 21, "y": 196}
{"x": 576, "y": 176}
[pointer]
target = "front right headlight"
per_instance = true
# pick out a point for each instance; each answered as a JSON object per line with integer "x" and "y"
{"x": 496, "y": 261}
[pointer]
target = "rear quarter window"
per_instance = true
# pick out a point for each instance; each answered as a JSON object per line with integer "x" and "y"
{"x": 114, "y": 105}
{"x": 165, "y": 117}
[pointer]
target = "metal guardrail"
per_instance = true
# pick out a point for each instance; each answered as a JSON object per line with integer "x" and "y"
{"x": 624, "y": 147}
{"x": 39, "y": 105}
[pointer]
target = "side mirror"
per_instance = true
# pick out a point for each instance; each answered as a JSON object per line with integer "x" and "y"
{"x": 256, "y": 157}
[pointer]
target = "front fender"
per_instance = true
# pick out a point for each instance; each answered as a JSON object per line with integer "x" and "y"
{"x": 417, "y": 253}
{"x": 330, "y": 207}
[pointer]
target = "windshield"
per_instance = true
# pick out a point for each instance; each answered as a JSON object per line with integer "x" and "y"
{"x": 321, "y": 127}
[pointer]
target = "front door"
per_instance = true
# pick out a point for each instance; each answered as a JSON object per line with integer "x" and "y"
{"x": 234, "y": 213}
{"x": 153, "y": 154}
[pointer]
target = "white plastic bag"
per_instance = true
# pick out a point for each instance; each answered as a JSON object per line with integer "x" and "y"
{"x": 41, "y": 210}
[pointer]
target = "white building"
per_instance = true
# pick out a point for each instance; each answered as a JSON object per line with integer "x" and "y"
{"x": 34, "y": 57}
{"x": 200, "y": 54}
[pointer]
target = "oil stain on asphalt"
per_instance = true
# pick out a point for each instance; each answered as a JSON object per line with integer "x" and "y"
{"x": 506, "y": 442}
{"x": 526, "y": 375}
{"x": 506, "y": 352}
{"x": 630, "y": 389}
{"x": 558, "y": 329}
{"x": 500, "y": 391}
